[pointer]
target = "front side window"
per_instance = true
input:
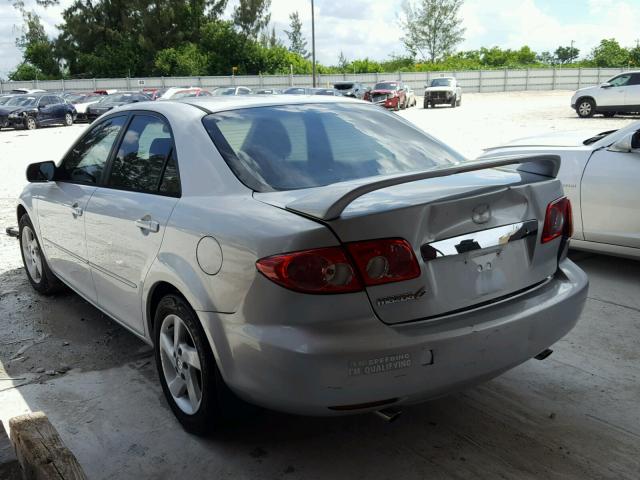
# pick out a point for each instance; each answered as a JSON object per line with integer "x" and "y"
{"x": 300, "y": 146}
{"x": 621, "y": 80}
{"x": 85, "y": 162}
{"x": 142, "y": 155}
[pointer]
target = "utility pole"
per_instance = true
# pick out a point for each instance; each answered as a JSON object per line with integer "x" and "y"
{"x": 313, "y": 44}
{"x": 572, "y": 42}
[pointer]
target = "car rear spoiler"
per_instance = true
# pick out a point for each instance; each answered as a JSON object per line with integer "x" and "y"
{"x": 328, "y": 203}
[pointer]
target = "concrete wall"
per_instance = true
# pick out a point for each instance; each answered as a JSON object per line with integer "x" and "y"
{"x": 471, "y": 81}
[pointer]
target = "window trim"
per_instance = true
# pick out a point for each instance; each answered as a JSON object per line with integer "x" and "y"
{"x": 99, "y": 181}
{"x": 172, "y": 153}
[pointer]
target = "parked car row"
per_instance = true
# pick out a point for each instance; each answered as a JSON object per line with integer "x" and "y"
{"x": 47, "y": 108}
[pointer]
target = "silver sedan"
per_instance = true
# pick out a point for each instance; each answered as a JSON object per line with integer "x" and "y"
{"x": 314, "y": 255}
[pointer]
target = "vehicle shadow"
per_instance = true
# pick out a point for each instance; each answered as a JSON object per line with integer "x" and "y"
{"x": 57, "y": 333}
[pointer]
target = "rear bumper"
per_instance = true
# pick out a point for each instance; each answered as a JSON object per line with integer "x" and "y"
{"x": 307, "y": 370}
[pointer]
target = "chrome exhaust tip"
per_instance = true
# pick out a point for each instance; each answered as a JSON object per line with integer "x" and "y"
{"x": 388, "y": 414}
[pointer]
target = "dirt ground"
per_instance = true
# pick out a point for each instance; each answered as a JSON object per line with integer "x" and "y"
{"x": 574, "y": 415}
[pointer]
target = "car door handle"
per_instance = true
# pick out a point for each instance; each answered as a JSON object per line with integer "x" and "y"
{"x": 148, "y": 225}
{"x": 76, "y": 210}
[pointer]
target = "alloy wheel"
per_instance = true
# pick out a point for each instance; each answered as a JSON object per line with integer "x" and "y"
{"x": 31, "y": 123}
{"x": 181, "y": 364}
{"x": 68, "y": 120}
{"x": 32, "y": 255}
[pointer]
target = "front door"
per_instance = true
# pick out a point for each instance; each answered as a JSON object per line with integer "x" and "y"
{"x": 610, "y": 198}
{"x": 126, "y": 218}
{"x": 614, "y": 95}
{"x": 62, "y": 206}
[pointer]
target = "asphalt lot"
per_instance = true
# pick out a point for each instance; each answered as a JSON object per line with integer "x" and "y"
{"x": 574, "y": 415}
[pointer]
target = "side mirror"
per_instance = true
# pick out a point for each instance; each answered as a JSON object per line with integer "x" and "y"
{"x": 624, "y": 145}
{"x": 606, "y": 85}
{"x": 41, "y": 172}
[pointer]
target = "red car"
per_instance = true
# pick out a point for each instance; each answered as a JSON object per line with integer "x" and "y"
{"x": 389, "y": 95}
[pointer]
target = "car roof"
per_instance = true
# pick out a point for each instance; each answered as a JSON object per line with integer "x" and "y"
{"x": 219, "y": 104}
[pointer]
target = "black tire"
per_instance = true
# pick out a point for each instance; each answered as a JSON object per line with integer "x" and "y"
{"x": 609, "y": 114}
{"x": 68, "y": 119}
{"x": 585, "y": 108}
{"x": 48, "y": 283}
{"x": 459, "y": 101}
{"x": 454, "y": 102}
{"x": 219, "y": 406}
{"x": 30, "y": 123}
{"x": 425, "y": 105}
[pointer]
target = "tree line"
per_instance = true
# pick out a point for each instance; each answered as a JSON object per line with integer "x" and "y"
{"x": 139, "y": 38}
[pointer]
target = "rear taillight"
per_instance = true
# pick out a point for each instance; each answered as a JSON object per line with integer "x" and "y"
{"x": 558, "y": 220}
{"x": 329, "y": 270}
{"x": 321, "y": 270}
{"x": 384, "y": 261}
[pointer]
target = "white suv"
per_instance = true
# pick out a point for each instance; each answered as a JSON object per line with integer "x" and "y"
{"x": 620, "y": 94}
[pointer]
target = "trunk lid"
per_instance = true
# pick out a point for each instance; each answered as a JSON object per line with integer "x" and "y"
{"x": 484, "y": 225}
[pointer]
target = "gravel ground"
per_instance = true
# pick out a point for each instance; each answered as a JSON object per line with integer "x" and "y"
{"x": 575, "y": 415}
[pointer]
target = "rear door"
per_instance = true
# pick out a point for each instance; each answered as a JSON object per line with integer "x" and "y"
{"x": 610, "y": 198}
{"x": 126, "y": 217}
{"x": 58, "y": 109}
{"x": 62, "y": 205}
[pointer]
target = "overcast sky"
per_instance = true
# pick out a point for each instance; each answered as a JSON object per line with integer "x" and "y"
{"x": 362, "y": 28}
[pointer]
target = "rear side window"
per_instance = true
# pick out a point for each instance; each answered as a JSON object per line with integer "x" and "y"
{"x": 142, "y": 155}
{"x": 300, "y": 146}
{"x": 85, "y": 162}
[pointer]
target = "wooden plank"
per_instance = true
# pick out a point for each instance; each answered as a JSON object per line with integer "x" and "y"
{"x": 9, "y": 465}
{"x": 40, "y": 449}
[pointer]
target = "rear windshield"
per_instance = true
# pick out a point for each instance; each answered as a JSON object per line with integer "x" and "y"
{"x": 300, "y": 146}
{"x": 343, "y": 86}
